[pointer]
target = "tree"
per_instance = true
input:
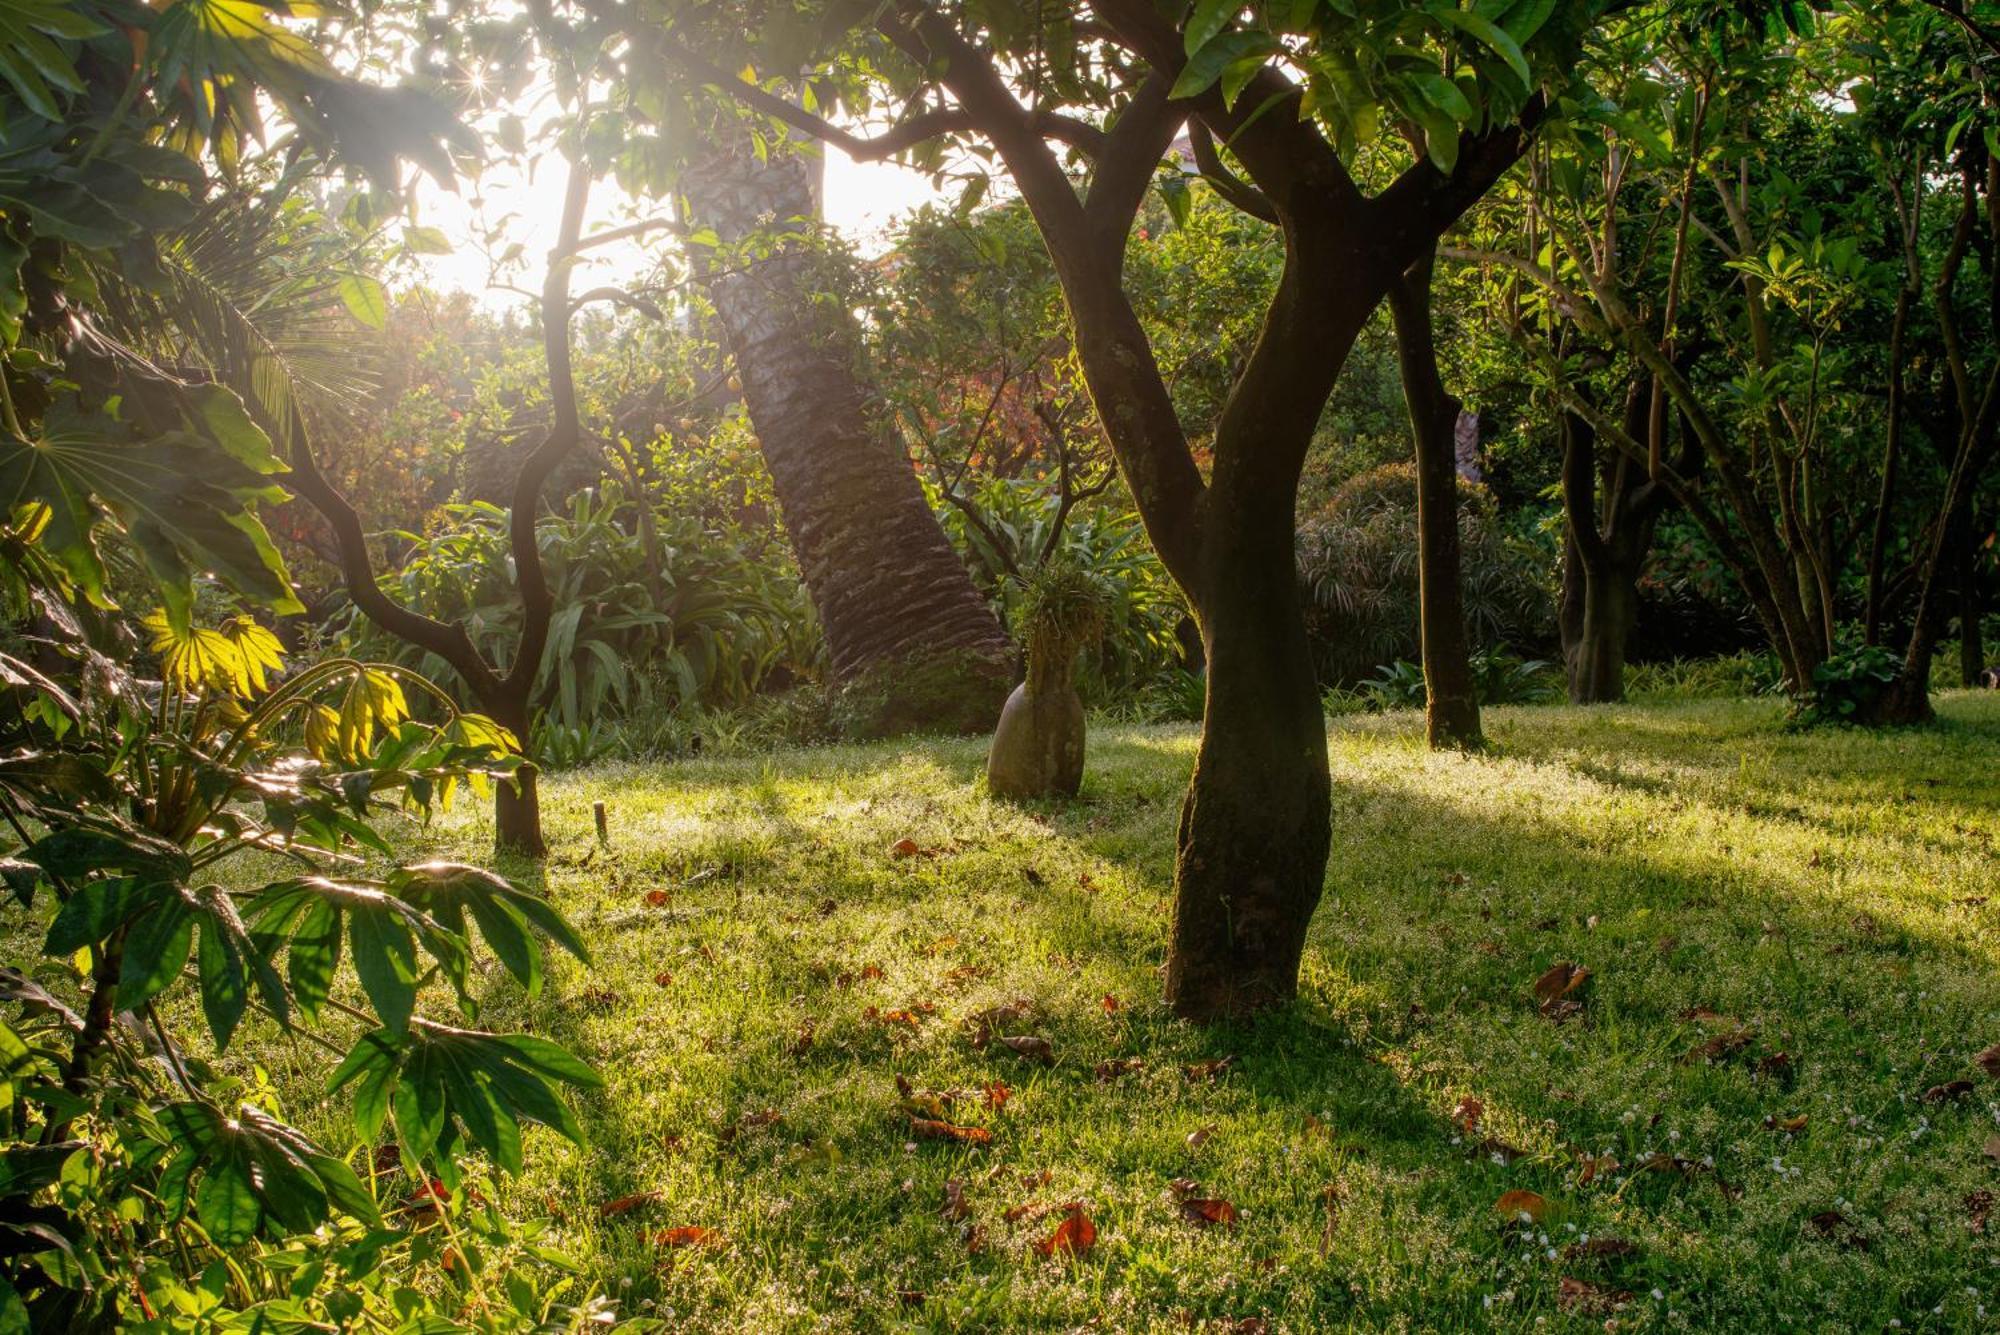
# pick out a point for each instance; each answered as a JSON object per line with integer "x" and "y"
{"x": 1019, "y": 82}
{"x": 910, "y": 638}
{"x": 1451, "y": 702}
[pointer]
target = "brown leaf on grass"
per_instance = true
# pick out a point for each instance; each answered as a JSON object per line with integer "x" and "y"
{"x": 1560, "y": 991}
{"x": 1074, "y": 1236}
{"x": 387, "y": 1159}
{"x": 802, "y": 1042}
{"x": 1034, "y": 877}
{"x": 626, "y": 1204}
{"x": 1208, "y": 1070}
{"x": 1030, "y": 1046}
{"x": 1331, "y": 1195}
{"x": 1580, "y": 1297}
{"x": 1029, "y": 1211}
{"x": 1032, "y": 1181}
{"x": 1513, "y": 1205}
{"x": 1469, "y": 1113}
{"x": 689, "y": 1235}
{"x": 905, "y": 847}
{"x": 663, "y": 979}
{"x": 974, "y": 1238}
{"x": 1184, "y": 1187}
{"x": 1789, "y": 1125}
{"x": 1835, "y": 1227}
{"x": 926, "y": 1128}
{"x": 1206, "y": 1210}
{"x": 1775, "y": 1064}
{"x": 1199, "y": 1138}
{"x": 1500, "y": 1149}
{"x": 659, "y": 899}
{"x": 1117, "y": 1067}
{"x": 599, "y": 998}
{"x": 1989, "y": 1061}
{"x": 1978, "y": 1209}
{"x": 1703, "y": 1015}
{"x": 955, "y": 1206}
{"x": 890, "y": 1019}
{"x": 1992, "y": 1147}
{"x": 985, "y": 1024}
{"x": 1109, "y": 1004}
{"x": 996, "y": 1095}
{"x": 1599, "y": 1247}
{"x": 1719, "y": 1047}
{"x": 1949, "y": 1092}
{"x": 1595, "y": 1166}
{"x": 965, "y": 973}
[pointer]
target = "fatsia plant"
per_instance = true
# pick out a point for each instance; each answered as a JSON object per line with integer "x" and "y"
{"x": 146, "y": 816}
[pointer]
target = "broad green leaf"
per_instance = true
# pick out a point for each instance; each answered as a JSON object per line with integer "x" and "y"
{"x": 1207, "y": 65}
{"x": 365, "y": 300}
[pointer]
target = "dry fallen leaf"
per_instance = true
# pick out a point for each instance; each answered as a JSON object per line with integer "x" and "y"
{"x": 925, "y": 1128}
{"x": 1560, "y": 990}
{"x": 1109, "y": 1003}
{"x": 1978, "y": 1209}
{"x": 955, "y": 1206}
{"x": 1789, "y": 1125}
{"x": 1107, "y": 1071}
{"x": 1513, "y": 1205}
{"x": 1596, "y": 1166}
{"x": 1837, "y": 1228}
{"x": 1989, "y": 1061}
{"x": 1197, "y": 1139}
{"x": 659, "y": 899}
{"x": 1075, "y": 1235}
{"x": 1599, "y": 1247}
{"x": 1992, "y": 1147}
{"x": 1582, "y": 1298}
{"x": 626, "y": 1204}
{"x": 1948, "y": 1092}
{"x": 996, "y": 1095}
{"x": 1719, "y": 1047}
{"x": 691, "y": 1235}
{"x": 1209, "y": 1070}
{"x": 1208, "y": 1210}
{"x": 1030, "y": 1046}
{"x": 1468, "y": 1114}
{"x": 1029, "y": 1212}
{"x": 887, "y": 1019}
{"x": 905, "y": 847}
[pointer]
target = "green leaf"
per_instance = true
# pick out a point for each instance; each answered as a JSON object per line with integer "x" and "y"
{"x": 225, "y": 987}
{"x": 156, "y": 949}
{"x": 1207, "y": 65}
{"x": 385, "y": 957}
{"x": 94, "y": 913}
{"x": 226, "y": 1201}
{"x": 426, "y": 241}
{"x": 1487, "y": 32}
{"x": 365, "y": 300}
{"x": 1209, "y": 18}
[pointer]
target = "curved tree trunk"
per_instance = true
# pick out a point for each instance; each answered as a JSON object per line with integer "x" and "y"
{"x": 1602, "y": 560}
{"x": 1451, "y": 701}
{"x": 912, "y": 642}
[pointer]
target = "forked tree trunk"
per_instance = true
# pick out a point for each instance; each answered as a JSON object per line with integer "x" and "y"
{"x": 1971, "y": 640}
{"x": 1451, "y": 700}
{"x": 1255, "y": 826}
{"x": 912, "y": 642}
{"x": 1603, "y": 558}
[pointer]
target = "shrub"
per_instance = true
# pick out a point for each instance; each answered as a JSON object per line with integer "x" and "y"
{"x": 1358, "y": 569}
{"x": 1498, "y": 678}
{"x": 1849, "y": 687}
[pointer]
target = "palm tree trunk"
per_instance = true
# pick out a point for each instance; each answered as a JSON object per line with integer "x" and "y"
{"x": 913, "y": 644}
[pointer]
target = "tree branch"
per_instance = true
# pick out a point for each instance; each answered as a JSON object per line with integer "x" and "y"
{"x": 1233, "y": 189}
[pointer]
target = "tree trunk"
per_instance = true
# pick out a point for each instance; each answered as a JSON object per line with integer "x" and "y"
{"x": 1602, "y": 560}
{"x": 517, "y": 815}
{"x": 1451, "y": 701}
{"x": 912, "y": 642}
{"x": 1600, "y": 606}
{"x": 1256, "y": 823}
{"x": 1971, "y": 641}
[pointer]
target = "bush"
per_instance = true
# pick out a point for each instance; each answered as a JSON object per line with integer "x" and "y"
{"x": 1498, "y": 678}
{"x": 1731, "y": 677}
{"x": 717, "y": 618}
{"x": 1358, "y": 569}
{"x": 1850, "y": 686}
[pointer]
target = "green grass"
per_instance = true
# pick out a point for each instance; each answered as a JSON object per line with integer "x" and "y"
{"x": 1813, "y": 888}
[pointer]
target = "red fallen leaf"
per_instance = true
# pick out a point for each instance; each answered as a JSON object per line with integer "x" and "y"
{"x": 1950, "y": 1091}
{"x": 428, "y": 1198}
{"x": 1469, "y": 1113}
{"x": 1603, "y": 1247}
{"x": 975, "y": 1239}
{"x": 1513, "y": 1204}
{"x": 905, "y": 848}
{"x": 1030, "y": 1046}
{"x": 659, "y": 899}
{"x": 870, "y": 971}
{"x": 1086, "y": 883}
{"x": 599, "y": 998}
{"x": 1581, "y": 1297}
{"x": 803, "y": 1043}
{"x": 927, "y": 1129}
{"x": 1107, "y": 1071}
{"x": 1208, "y": 1070}
{"x": 908, "y": 1019}
{"x": 1075, "y": 1235}
{"x": 1030, "y": 1181}
{"x": 688, "y": 1235}
{"x": 1109, "y": 1003}
{"x": 955, "y": 1206}
{"x": 996, "y": 1095}
{"x": 1989, "y": 1061}
{"x": 388, "y": 1159}
{"x": 1208, "y": 1210}
{"x": 1979, "y": 1208}
{"x": 626, "y": 1204}
{"x": 663, "y": 979}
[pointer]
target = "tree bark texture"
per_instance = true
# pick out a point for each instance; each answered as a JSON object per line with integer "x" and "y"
{"x": 1451, "y": 700}
{"x": 1605, "y": 548}
{"x": 909, "y": 635}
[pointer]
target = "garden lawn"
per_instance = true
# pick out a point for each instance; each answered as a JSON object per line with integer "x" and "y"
{"x": 1789, "y": 941}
